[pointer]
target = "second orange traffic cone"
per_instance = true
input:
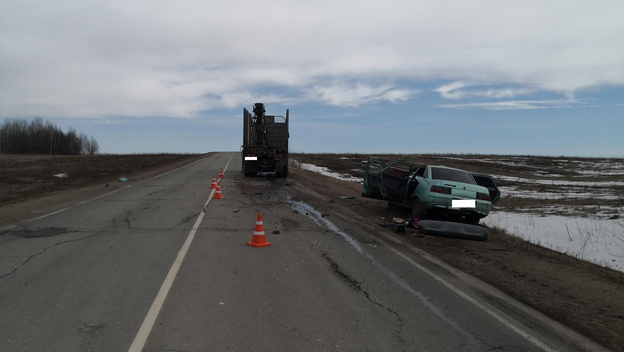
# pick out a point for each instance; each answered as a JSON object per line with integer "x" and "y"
{"x": 259, "y": 239}
{"x": 213, "y": 185}
{"x": 218, "y": 194}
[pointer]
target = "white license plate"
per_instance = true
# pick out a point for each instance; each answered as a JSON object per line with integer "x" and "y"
{"x": 463, "y": 203}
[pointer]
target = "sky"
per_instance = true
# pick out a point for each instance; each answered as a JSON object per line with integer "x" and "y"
{"x": 410, "y": 76}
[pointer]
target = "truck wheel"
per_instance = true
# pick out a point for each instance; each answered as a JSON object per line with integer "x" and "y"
{"x": 283, "y": 173}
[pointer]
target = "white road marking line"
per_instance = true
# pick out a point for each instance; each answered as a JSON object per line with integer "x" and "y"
{"x": 467, "y": 297}
{"x": 86, "y": 201}
{"x": 168, "y": 172}
{"x": 228, "y": 163}
{"x": 148, "y": 323}
{"x": 49, "y": 214}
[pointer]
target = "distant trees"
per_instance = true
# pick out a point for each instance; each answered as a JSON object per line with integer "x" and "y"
{"x": 18, "y": 136}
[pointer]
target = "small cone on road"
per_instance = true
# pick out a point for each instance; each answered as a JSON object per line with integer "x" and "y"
{"x": 221, "y": 173}
{"x": 259, "y": 239}
{"x": 213, "y": 185}
{"x": 218, "y": 194}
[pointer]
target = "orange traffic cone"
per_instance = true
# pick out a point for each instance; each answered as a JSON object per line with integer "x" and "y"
{"x": 221, "y": 173}
{"x": 258, "y": 239}
{"x": 218, "y": 194}
{"x": 213, "y": 185}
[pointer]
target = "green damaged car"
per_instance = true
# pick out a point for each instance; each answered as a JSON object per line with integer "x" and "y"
{"x": 430, "y": 191}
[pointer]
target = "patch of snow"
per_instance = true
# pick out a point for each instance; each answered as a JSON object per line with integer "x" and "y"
{"x": 597, "y": 211}
{"x": 600, "y": 173}
{"x": 513, "y": 191}
{"x": 324, "y": 171}
{"x": 558, "y": 182}
{"x": 599, "y": 241}
{"x": 546, "y": 174}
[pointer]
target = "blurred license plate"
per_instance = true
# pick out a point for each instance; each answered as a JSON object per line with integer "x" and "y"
{"x": 463, "y": 203}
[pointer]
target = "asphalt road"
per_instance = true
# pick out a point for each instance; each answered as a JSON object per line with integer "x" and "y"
{"x": 160, "y": 265}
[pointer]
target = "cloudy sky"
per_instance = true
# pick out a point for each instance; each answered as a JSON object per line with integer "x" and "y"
{"x": 505, "y": 77}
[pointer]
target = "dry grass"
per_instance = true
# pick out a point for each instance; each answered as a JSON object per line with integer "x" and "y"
{"x": 23, "y": 177}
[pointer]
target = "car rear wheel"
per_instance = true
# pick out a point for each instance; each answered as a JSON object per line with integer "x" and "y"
{"x": 416, "y": 213}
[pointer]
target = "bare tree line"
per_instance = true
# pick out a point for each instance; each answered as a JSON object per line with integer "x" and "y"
{"x": 18, "y": 136}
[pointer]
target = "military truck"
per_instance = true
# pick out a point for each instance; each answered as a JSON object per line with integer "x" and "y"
{"x": 265, "y": 143}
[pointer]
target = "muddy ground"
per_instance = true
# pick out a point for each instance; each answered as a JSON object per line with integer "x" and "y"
{"x": 583, "y": 296}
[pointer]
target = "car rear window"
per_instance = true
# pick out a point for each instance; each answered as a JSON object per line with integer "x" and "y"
{"x": 438, "y": 173}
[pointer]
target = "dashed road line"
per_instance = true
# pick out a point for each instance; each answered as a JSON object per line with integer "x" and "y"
{"x": 150, "y": 319}
{"x": 148, "y": 323}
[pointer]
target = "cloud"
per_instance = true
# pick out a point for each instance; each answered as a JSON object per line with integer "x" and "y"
{"x": 111, "y": 58}
{"x": 514, "y": 105}
{"x": 342, "y": 94}
{"x": 452, "y": 91}
{"x": 455, "y": 91}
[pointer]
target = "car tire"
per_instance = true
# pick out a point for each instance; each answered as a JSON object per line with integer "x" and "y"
{"x": 416, "y": 213}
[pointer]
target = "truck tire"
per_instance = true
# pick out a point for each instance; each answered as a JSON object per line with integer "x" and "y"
{"x": 283, "y": 173}
{"x": 453, "y": 230}
{"x": 249, "y": 169}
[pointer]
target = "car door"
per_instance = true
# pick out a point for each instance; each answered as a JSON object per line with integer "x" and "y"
{"x": 394, "y": 180}
{"x": 488, "y": 182}
{"x": 372, "y": 187}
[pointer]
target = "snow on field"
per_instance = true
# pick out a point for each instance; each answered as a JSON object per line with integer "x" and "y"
{"x": 559, "y": 182}
{"x": 594, "y": 239}
{"x": 599, "y": 241}
{"x": 324, "y": 171}
{"x": 567, "y": 193}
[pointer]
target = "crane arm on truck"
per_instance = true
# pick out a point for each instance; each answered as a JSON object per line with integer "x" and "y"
{"x": 265, "y": 142}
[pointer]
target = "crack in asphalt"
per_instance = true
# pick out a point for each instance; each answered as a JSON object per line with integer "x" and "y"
{"x": 90, "y": 329}
{"x": 39, "y": 233}
{"x": 43, "y": 251}
{"x": 127, "y": 218}
{"x": 357, "y": 286}
{"x": 187, "y": 219}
